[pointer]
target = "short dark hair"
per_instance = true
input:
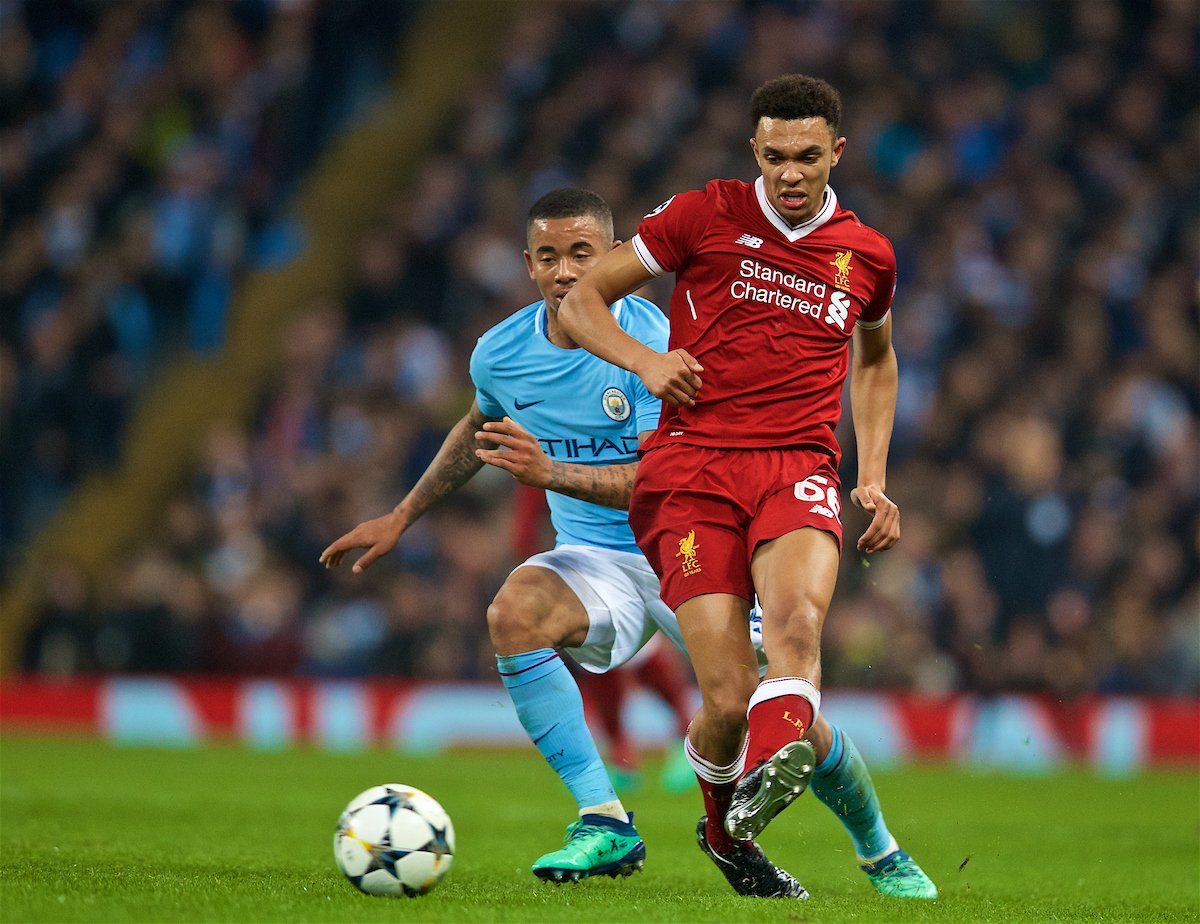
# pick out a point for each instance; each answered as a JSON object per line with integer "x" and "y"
{"x": 571, "y": 203}
{"x": 796, "y": 96}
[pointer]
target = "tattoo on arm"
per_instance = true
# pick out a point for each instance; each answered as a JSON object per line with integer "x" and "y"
{"x": 606, "y": 485}
{"x": 453, "y": 466}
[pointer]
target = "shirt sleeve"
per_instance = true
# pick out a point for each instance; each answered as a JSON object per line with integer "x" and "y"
{"x": 647, "y": 324}
{"x": 482, "y": 379}
{"x": 647, "y": 407}
{"x": 877, "y": 309}
{"x": 666, "y": 238}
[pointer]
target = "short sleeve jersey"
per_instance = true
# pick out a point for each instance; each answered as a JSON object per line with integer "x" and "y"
{"x": 581, "y": 409}
{"x": 767, "y": 309}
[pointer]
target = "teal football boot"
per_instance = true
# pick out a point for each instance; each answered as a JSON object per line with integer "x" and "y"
{"x": 898, "y": 876}
{"x": 595, "y": 845}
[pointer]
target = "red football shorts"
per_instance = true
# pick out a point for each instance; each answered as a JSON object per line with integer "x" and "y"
{"x": 699, "y": 513}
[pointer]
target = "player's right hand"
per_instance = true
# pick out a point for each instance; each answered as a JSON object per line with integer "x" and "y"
{"x": 378, "y": 537}
{"x": 884, "y": 531}
{"x": 673, "y": 377}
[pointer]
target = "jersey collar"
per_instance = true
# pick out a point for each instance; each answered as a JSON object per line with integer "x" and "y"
{"x": 794, "y": 234}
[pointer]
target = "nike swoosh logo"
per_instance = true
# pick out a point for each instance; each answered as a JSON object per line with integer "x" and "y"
{"x": 520, "y": 407}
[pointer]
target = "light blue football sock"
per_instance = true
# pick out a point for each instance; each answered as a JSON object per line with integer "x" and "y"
{"x": 842, "y": 782}
{"x": 551, "y": 710}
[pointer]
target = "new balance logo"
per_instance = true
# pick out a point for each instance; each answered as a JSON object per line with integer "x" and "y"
{"x": 750, "y": 241}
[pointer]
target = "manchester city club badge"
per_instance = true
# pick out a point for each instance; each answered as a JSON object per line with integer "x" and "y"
{"x": 616, "y": 404}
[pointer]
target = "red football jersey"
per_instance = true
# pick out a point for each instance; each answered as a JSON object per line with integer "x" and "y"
{"x": 767, "y": 309}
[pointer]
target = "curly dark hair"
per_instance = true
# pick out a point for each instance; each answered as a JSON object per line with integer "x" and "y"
{"x": 571, "y": 203}
{"x": 796, "y": 96}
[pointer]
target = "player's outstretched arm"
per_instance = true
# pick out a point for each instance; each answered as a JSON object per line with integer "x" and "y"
{"x": 873, "y": 380}
{"x": 521, "y": 455}
{"x": 585, "y": 316}
{"x": 451, "y": 468}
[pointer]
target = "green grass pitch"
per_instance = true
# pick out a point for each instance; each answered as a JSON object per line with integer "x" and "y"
{"x": 90, "y": 832}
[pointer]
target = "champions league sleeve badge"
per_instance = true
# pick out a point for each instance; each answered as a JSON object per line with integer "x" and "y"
{"x": 615, "y": 404}
{"x": 652, "y": 214}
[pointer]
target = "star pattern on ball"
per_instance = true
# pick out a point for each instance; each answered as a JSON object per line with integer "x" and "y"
{"x": 392, "y": 844}
{"x": 439, "y": 846}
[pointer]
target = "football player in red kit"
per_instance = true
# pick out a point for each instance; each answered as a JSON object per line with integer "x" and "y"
{"x": 737, "y": 492}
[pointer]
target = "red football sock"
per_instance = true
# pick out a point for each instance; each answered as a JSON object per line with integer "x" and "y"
{"x": 716, "y": 803}
{"x": 775, "y": 722}
{"x": 716, "y": 786}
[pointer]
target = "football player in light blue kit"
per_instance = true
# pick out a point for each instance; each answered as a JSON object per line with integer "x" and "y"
{"x": 559, "y": 418}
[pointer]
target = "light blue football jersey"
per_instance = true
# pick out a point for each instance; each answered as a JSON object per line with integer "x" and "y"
{"x": 581, "y": 408}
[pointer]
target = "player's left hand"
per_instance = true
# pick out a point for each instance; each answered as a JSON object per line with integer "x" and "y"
{"x": 884, "y": 531}
{"x": 521, "y": 453}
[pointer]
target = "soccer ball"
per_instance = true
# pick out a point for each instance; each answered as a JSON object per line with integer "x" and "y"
{"x": 394, "y": 840}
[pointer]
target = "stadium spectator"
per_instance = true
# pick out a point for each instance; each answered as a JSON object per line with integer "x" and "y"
{"x": 146, "y": 156}
{"x": 1034, "y": 165}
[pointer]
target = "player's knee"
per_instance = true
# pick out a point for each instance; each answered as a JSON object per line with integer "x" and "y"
{"x": 524, "y": 616}
{"x": 513, "y": 623}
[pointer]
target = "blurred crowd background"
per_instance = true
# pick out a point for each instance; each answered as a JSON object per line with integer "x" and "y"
{"x": 1034, "y": 164}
